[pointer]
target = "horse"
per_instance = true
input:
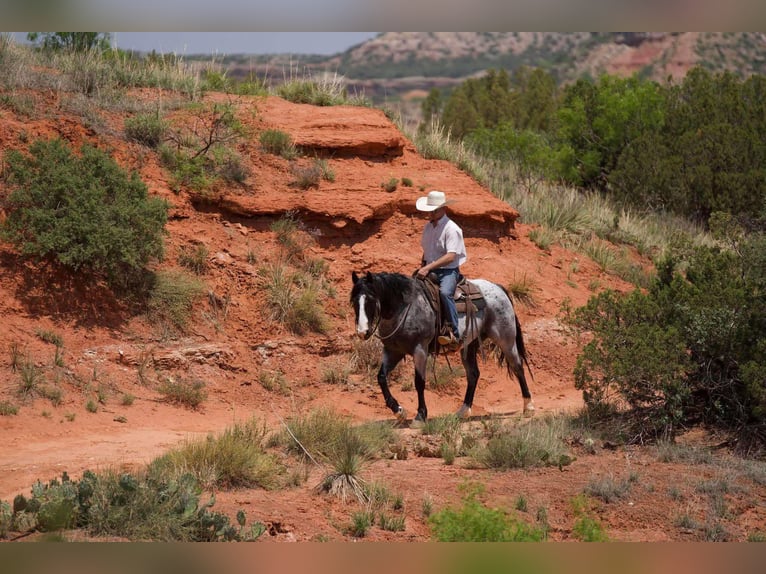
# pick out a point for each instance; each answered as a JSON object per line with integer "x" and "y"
{"x": 397, "y": 310}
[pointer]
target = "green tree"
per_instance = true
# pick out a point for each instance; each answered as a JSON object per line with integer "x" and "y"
{"x": 82, "y": 211}
{"x": 534, "y": 99}
{"x": 599, "y": 120}
{"x": 715, "y": 127}
{"x": 71, "y": 41}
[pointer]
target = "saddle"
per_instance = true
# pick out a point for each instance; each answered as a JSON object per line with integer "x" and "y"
{"x": 468, "y": 300}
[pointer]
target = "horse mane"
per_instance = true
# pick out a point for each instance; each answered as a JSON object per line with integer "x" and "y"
{"x": 393, "y": 289}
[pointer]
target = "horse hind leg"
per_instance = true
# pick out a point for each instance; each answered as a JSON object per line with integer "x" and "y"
{"x": 471, "y": 366}
{"x": 513, "y": 362}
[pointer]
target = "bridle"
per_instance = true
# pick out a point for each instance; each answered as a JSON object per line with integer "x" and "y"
{"x": 378, "y": 317}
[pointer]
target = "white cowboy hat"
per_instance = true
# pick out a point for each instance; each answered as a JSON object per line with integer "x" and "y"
{"x": 434, "y": 200}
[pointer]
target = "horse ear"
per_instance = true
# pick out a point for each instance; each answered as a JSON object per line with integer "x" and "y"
{"x": 354, "y": 277}
{"x": 368, "y": 278}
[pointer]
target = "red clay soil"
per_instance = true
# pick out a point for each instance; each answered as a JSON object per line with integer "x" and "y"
{"x": 352, "y": 223}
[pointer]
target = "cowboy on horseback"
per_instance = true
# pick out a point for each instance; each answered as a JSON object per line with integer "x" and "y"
{"x": 443, "y": 254}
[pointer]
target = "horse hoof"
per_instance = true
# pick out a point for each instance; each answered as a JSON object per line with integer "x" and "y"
{"x": 529, "y": 409}
{"x": 418, "y": 422}
{"x": 463, "y": 412}
{"x": 401, "y": 414}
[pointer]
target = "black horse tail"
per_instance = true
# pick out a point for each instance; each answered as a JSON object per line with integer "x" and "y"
{"x": 520, "y": 346}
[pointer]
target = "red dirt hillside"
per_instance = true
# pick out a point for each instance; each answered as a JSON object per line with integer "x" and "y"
{"x": 352, "y": 223}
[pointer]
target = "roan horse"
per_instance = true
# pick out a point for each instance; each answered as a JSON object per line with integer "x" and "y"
{"x": 396, "y": 308}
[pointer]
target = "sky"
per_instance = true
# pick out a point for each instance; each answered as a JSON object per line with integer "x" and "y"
{"x": 227, "y": 43}
{"x": 309, "y": 16}
{"x": 224, "y": 43}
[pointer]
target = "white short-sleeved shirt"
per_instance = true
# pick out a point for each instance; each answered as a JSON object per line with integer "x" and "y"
{"x": 442, "y": 238}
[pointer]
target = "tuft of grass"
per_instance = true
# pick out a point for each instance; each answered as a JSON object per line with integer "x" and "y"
{"x": 366, "y": 355}
{"x": 234, "y": 458}
{"x": 539, "y": 442}
{"x": 306, "y": 176}
{"x": 172, "y": 299}
{"x": 293, "y": 304}
{"x": 406, "y": 182}
{"x": 586, "y": 528}
{"x": 361, "y": 522}
{"x": 347, "y": 456}
{"x": 324, "y": 168}
{"x": 148, "y": 129}
{"x": 53, "y": 394}
{"x": 279, "y": 143}
{"x": 671, "y": 452}
{"x": 522, "y": 290}
{"x": 50, "y": 337}
{"x": 194, "y": 258}
{"x": 91, "y": 406}
{"x": 186, "y": 392}
{"x": 318, "y": 90}
{"x": 607, "y": 488}
{"x": 8, "y": 409}
{"x": 31, "y": 377}
{"x": 542, "y": 237}
{"x": 274, "y": 381}
{"x": 390, "y": 185}
{"x": 335, "y": 373}
{"x": 127, "y": 399}
{"x": 391, "y": 523}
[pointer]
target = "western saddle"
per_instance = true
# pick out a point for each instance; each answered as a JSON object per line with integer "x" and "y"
{"x": 468, "y": 300}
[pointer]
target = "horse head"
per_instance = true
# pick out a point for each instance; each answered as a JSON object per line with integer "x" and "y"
{"x": 366, "y": 305}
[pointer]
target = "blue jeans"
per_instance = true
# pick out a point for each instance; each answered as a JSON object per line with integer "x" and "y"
{"x": 447, "y": 284}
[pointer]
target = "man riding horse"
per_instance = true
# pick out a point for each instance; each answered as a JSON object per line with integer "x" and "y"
{"x": 443, "y": 254}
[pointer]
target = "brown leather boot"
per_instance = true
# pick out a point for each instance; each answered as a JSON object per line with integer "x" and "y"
{"x": 449, "y": 341}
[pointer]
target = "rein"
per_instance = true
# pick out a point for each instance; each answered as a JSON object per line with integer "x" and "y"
{"x": 396, "y": 329}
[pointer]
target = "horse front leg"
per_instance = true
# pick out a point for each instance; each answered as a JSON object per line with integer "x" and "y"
{"x": 390, "y": 360}
{"x": 420, "y": 359}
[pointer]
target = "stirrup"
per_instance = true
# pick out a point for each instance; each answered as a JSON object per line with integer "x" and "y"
{"x": 449, "y": 341}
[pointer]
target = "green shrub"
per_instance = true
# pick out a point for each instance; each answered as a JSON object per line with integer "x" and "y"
{"x": 138, "y": 507}
{"x": 82, "y": 211}
{"x": 586, "y": 528}
{"x": 390, "y": 185}
{"x": 474, "y": 522}
{"x": 147, "y": 129}
{"x": 690, "y": 348}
